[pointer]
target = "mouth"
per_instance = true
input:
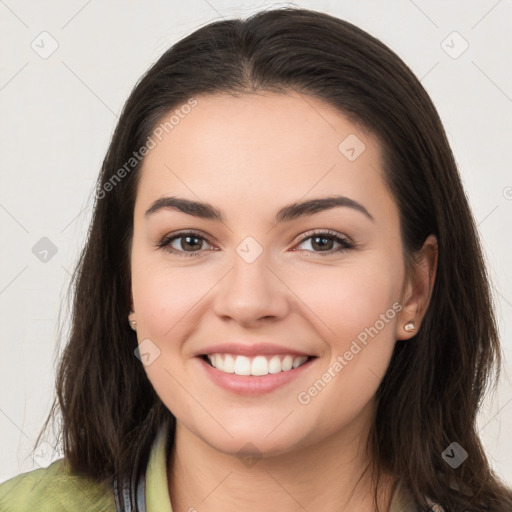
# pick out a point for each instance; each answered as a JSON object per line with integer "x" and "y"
{"x": 257, "y": 366}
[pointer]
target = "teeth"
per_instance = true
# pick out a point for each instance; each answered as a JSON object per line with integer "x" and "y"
{"x": 257, "y": 366}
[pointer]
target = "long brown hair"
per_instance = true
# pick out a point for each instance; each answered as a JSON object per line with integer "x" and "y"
{"x": 434, "y": 385}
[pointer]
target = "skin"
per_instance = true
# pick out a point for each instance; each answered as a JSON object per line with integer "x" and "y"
{"x": 250, "y": 156}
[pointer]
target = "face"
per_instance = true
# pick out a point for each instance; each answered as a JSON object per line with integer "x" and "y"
{"x": 273, "y": 286}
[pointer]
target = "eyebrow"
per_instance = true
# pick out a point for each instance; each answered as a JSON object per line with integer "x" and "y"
{"x": 287, "y": 213}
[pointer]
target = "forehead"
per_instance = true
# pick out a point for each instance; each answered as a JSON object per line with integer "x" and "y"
{"x": 262, "y": 148}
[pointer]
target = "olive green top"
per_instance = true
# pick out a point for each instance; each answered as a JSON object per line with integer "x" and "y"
{"x": 55, "y": 489}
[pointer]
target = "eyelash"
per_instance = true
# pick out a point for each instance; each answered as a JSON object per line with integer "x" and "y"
{"x": 345, "y": 243}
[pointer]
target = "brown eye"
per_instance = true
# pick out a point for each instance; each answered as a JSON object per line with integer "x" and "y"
{"x": 323, "y": 243}
{"x": 183, "y": 244}
{"x": 190, "y": 243}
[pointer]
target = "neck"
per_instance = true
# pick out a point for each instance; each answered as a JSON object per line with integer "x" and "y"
{"x": 328, "y": 476}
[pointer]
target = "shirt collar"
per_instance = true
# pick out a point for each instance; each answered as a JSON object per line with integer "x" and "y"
{"x": 157, "y": 489}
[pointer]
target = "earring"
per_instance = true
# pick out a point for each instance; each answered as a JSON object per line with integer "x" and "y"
{"x": 133, "y": 325}
{"x": 409, "y": 326}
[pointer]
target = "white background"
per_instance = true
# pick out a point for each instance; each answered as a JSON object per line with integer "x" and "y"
{"x": 57, "y": 115}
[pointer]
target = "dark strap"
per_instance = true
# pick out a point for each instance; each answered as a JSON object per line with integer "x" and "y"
{"x": 130, "y": 497}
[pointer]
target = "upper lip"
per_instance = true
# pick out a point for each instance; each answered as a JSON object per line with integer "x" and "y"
{"x": 253, "y": 349}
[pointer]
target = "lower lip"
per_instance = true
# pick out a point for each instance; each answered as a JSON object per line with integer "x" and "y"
{"x": 251, "y": 384}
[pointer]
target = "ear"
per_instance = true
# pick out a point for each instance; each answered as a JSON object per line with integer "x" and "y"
{"x": 417, "y": 289}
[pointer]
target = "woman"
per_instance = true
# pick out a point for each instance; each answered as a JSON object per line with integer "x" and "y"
{"x": 282, "y": 295}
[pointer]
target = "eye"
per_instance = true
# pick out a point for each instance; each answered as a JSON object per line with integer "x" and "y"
{"x": 324, "y": 241}
{"x": 189, "y": 243}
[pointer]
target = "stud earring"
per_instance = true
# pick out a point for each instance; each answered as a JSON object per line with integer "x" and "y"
{"x": 409, "y": 326}
{"x": 133, "y": 325}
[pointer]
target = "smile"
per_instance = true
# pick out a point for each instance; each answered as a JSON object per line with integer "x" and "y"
{"x": 259, "y": 365}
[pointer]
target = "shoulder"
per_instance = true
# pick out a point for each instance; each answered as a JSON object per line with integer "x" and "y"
{"x": 55, "y": 489}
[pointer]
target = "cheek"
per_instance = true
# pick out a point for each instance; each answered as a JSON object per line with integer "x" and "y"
{"x": 164, "y": 296}
{"x": 164, "y": 299}
{"x": 346, "y": 300}
{"x": 358, "y": 327}
{"x": 357, "y": 313}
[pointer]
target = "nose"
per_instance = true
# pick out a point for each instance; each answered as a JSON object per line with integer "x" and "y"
{"x": 251, "y": 292}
